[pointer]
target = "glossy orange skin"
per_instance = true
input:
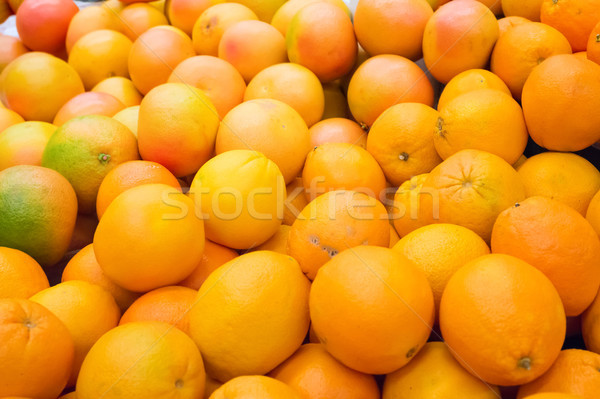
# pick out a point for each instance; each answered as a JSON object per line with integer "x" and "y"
{"x": 549, "y": 235}
{"x": 337, "y": 130}
{"x": 183, "y": 13}
{"x": 24, "y": 143}
{"x": 503, "y": 319}
{"x": 524, "y": 9}
{"x": 122, "y": 89}
{"x": 214, "y": 256}
{"x": 90, "y": 19}
{"x": 43, "y": 24}
{"x": 9, "y": 118}
{"x": 89, "y": 103}
{"x": 559, "y": 102}
{"x": 470, "y": 80}
{"x": 459, "y": 36}
{"x": 10, "y": 49}
{"x": 138, "y": 18}
{"x": 504, "y": 24}
{"x": 593, "y": 45}
{"x": 22, "y": 276}
{"x": 573, "y": 18}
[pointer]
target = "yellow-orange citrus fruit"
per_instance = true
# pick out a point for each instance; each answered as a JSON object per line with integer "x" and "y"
{"x": 294, "y": 202}
{"x": 525, "y": 9}
{"x": 494, "y": 298}
{"x": 10, "y": 49}
{"x": 89, "y": 103}
{"x": 89, "y": 20}
{"x": 214, "y": 255}
{"x": 268, "y": 126}
{"x": 504, "y": 24}
{"x": 573, "y": 18}
{"x": 121, "y": 88}
{"x": 288, "y": 10}
{"x": 254, "y": 386}
{"x": 250, "y": 314}
{"x": 337, "y": 130}
{"x": 129, "y": 118}
{"x": 184, "y": 13}
{"x": 24, "y": 143}
{"x": 278, "y": 242}
{"x": 593, "y": 212}
{"x": 470, "y": 80}
{"x": 20, "y": 275}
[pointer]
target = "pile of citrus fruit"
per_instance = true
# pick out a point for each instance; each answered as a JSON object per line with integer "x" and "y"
{"x": 287, "y": 199}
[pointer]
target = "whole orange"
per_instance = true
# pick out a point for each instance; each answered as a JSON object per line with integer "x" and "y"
{"x": 91, "y": 19}
{"x": 85, "y": 149}
{"x": 250, "y": 314}
{"x": 254, "y": 386}
{"x": 470, "y": 80}
{"x": 177, "y": 127}
{"x": 334, "y": 222}
{"x": 459, "y": 36}
{"x": 288, "y": 10}
{"x": 183, "y": 14}
{"x": 214, "y": 256}
{"x": 89, "y": 103}
{"x": 170, "y": 305}
{"x": 10, "y": 49}
{"x": 154, "y": 55}
{"x": 137, "y": 18}
{"x": 251, "y": 46}
{"x": 24, "y": 143}
{"x": 43, "y": 24}
{"x": 559, "y": 101}
{"x": 337, "y": 130}
{"x": 218, "y": 79}
{"x": 36, "y": 85}
{"x": 574, "y": 372}
{"x": 486, "y": 120}
{"x": 383, "y": 81}
{"x": 121, "y": 88}
{"x": 128, "y": 175}
{"x": 129, "y": 118}
{"x": 321, "y": 38}
{"x": 342, "y": 166}
{"x": 173, "y": 238}
{"x": 21, "y": 275}
{"x": 37, "y": 350}
{"x": 557, "y": 240}
{"x": 382, "y": 292}
{"x": 401, "y": 142}
{"x": 504, "y": 24}
{"x": 268, "y": 126}
{"x": 316, "y": 374}
{"x": 490, "y": 302}
{"x": 521, "y": 49}
{"x": 573, "y": 18}
{"x": 379, "y": 23}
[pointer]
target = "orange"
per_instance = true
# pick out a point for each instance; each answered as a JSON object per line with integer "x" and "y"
{"x": 214, "y": 255}
{"x": 337, "y": 130}
{"x": 590, "y": 326}
{"x": 10, "y": 49}
{"x": 129, "y": 118}
{"x": 383, "y": 81}
{"x": 334, "y": 222}
{"x": 24, "y": 143}
{"x": 593, "y": 212}
{"x": 506, "y": 23}
{"x": 89, "y": 20}
{"x": 379, "y": 23}
{"x": 575, "y": 372}
{"x": 336, "y": 105}
{"x": 559, "y": 107}
{"x": 43, "y": 24}
{"x": 218, "y": 79}
{"x": 154, "y": 55}
{"x": 342, "y": 166}
{"x": 138, "y": 18}
{"x": 240, "y": 195}
{"x": 251, "y": 46}
{"x": 213, "y": 22}
{"x": 495, "y": 6}
{"x": 470, "y": 189}
{"x": 486, "y": 120}
{"x": 521, "y": 49}
{"x": 316, "y": 374}
{"x": 99, "y": 55}
{"x": 490, "y": 302}
{"x": 128, "y": 175}
{"x": 292, "y": 84}
{"x": 573, "y": 18}
{"x": 87, "y": 310}
{"x": 250, "y": 314}
{"x": 525, "y": 9}
{"x": 84, "y": 267}
{"x": 383, "y": 293}
{"x": 401, "y": 142}
{"x": 406, "y": 215}
{"x": 173, "y": 238}
{"x": 36, "y": 85}
{"x": 565, "y": 177}
{"x": 21, "y": 275}
{"x": 459, "y": 36}
{"x": 89, "y": 103}
{"x": 294, "y": 202}
{"x": 9, "y": 118}
{"x": 556, "y": 239}
{"x": 468, "y": 81}
{"x": 288, "y": 10}
{"x": 167, "y": 304}
{"x": 38, "y": 208}
{"x": 144, "y": 359}
{"x": 183, "y": 13}
{"x": 177, "y": 127}
{"x": 254, "y": 387}
{"x": 36, "y": 353}
{"x": 435, "y": 373}
{"x": 278, "y": 242}
{"x": 120, "y": 88}
{"x": 440, "y": 250}
{"x": 268, "y": 126}
{"x": 321, "y": 38}
{"x": 85, "y": 149}
{"x": 264, "y": 9}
